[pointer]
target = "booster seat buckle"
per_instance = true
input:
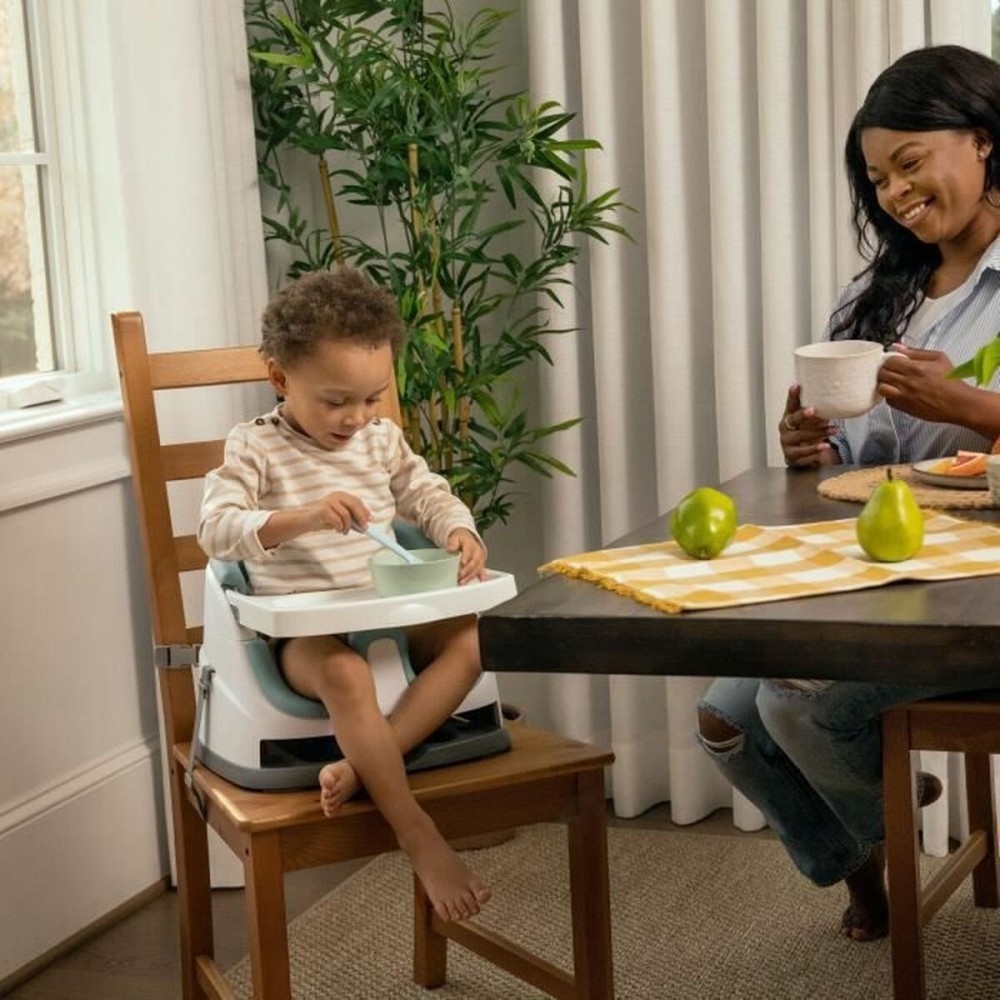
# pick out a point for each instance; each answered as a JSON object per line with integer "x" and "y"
{"x": 177, "y": 655}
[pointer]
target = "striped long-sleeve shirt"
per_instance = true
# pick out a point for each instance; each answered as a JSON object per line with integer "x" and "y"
{"x": 270, "y": 466}
{"x": 969, "y": 319}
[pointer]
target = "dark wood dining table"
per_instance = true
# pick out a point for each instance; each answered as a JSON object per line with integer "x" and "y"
{"x": 906, "y": 632}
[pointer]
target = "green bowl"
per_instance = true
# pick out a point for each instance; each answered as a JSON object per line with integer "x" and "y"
{"x": 393, "y": 577}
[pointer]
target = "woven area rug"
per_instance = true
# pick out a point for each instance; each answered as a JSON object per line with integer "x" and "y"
{"x": 695, "y": 917}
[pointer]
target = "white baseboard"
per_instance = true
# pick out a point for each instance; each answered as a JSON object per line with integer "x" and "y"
{"x": 77, "y": 850}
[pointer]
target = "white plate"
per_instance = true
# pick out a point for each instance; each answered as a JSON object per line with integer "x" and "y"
{"x": 922, "y": 470}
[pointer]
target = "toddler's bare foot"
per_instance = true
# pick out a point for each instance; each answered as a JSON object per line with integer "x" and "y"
{"x": 455, "y": 892}
{"x": 337, "y": 783}
{"x": 867, "y": 915}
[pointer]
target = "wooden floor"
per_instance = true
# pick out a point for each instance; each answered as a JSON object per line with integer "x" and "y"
{"x": 137, "y": 958}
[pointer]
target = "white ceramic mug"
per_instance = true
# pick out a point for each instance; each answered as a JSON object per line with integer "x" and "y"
{"x": 839, "y": 377}
{"x": 993, "y": 478}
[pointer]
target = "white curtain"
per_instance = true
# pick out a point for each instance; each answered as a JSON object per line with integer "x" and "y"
{"x": 722, "y": 123}
{"x": 191, "y": 233}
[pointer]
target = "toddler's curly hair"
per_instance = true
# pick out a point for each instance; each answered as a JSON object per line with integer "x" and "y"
{"x": 339, "y": 305}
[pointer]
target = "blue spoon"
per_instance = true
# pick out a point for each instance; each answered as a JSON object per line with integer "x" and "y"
{"x": 390, "y": 543}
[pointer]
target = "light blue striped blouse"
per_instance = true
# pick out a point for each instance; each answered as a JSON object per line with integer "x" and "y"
{"x": 884, "y": 435}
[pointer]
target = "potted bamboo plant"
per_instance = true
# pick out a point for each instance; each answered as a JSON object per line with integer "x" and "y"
{"x": 395, "y": 106}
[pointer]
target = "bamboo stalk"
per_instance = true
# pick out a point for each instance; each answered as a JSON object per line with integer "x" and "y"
{"x": 411, "y": 428}
{"x": 448, "y": 456}
{"x": 458, "y": 355}
{"x": 331, "y": 210}
{"x": 434, "y": 458}
{"x": 416, "y": 219}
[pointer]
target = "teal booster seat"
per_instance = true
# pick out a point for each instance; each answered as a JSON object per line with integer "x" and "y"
{"x": 254, "y": 730}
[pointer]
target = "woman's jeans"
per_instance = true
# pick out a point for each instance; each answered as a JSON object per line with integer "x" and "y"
{"x": 808, "y": 754}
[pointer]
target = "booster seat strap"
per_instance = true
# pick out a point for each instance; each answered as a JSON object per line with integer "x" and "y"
{"x": 204, "y": 690}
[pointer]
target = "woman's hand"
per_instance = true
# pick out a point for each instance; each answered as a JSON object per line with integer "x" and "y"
{"x": 914, "y": 381}
{"x": 804, "y": 435}
{"x": 473, "y": 562}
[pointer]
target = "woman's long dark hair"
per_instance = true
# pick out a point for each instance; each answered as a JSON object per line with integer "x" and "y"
{"x": 941, "y": 87}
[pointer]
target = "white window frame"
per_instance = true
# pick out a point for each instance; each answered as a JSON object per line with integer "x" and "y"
{"x": 65, "y": 135}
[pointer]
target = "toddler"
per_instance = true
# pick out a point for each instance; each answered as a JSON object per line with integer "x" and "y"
{"x": 293, "y": 484}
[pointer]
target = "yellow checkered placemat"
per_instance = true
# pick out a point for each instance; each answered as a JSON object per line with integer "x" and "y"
{"x": 775, "y": 564}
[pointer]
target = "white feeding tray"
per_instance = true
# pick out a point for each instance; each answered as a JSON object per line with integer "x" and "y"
{"x": 333, "y": 611}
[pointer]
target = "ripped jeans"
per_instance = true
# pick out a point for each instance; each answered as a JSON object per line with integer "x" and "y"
{"x": 809, "y": 756}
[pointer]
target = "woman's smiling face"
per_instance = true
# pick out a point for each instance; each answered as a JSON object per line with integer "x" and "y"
{"x": 930, "y": 182}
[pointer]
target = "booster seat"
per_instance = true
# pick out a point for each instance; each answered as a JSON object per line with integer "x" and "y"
{"x": 254, "y": 730}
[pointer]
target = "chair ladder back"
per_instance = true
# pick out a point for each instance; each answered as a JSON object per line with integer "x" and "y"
{"x": 160, "y": 561}
{"x": 154, "y": 464}
{"x": 149, "y": 480}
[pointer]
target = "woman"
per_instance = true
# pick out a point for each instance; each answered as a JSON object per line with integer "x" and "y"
{"x": 923, "y": 164}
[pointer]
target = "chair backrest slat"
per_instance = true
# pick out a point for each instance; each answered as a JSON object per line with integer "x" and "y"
{"x": 218, "y": 366}
{"x": 189, "y": 554}
{"x": 192, "y": 460}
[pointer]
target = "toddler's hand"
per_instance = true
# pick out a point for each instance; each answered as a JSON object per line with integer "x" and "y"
{"x": 473, "y": 562}
{"x": 339, "y": 511}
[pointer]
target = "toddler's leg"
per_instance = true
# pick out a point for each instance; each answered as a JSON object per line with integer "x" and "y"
{"x": 323, "y": 667}
{"x": 447, "y": 655}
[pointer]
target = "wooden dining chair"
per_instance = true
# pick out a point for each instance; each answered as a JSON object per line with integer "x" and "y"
{"x": 969, "y": 724}
{"x": 543, "y": 778}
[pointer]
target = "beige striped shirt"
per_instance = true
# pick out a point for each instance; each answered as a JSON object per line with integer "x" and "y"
{"x": 270, "y": 466}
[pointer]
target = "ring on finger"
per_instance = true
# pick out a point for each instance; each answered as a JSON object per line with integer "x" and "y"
{"x": 786, "y": 423}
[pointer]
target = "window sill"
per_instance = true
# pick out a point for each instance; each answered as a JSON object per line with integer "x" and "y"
{"x": 52, "y": 417}
{"x": 56, "y": 449}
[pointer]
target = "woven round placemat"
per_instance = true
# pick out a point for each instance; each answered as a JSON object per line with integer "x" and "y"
{"x": 858, "y": 484}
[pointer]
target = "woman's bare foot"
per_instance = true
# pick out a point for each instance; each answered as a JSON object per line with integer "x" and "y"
{"x": 455, "y": 892}
{"x": 867, "y": 915}
{"x": 337, "y": 783}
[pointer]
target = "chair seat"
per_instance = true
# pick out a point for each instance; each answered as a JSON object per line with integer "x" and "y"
{"x": 961, "y": 723}
{"x": 522, "y": 785}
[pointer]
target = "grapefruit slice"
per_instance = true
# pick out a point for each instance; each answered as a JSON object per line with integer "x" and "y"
{"x": 968, "y": 463}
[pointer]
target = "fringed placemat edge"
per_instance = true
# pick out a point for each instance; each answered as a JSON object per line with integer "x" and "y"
{"x": 567, "y": 568}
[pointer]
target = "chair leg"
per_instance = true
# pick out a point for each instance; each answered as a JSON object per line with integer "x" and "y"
{"x": 430, "y": 949}
{"x": 982, "y": 816}
{"x": 266, "y": 917}
{"x": 590, "y": 892}
{"x": 194, "y": 891}
{"x": 902, "y": 861}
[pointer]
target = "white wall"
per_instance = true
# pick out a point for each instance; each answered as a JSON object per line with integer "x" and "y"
{"x": 82, "y": 822}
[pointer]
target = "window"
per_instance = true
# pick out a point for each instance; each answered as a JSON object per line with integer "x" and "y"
{"x": 995, "y": 44}
{"x": 58, "y": 179}
{"x": 27, "y": 343}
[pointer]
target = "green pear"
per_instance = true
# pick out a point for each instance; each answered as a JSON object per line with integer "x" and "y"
{"x": 704, "y": 522}
{"x": 891, "y": 526}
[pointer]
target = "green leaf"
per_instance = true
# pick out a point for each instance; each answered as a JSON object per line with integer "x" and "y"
{"x": 280, "y": 59}
{"x": 981, "y": 366}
